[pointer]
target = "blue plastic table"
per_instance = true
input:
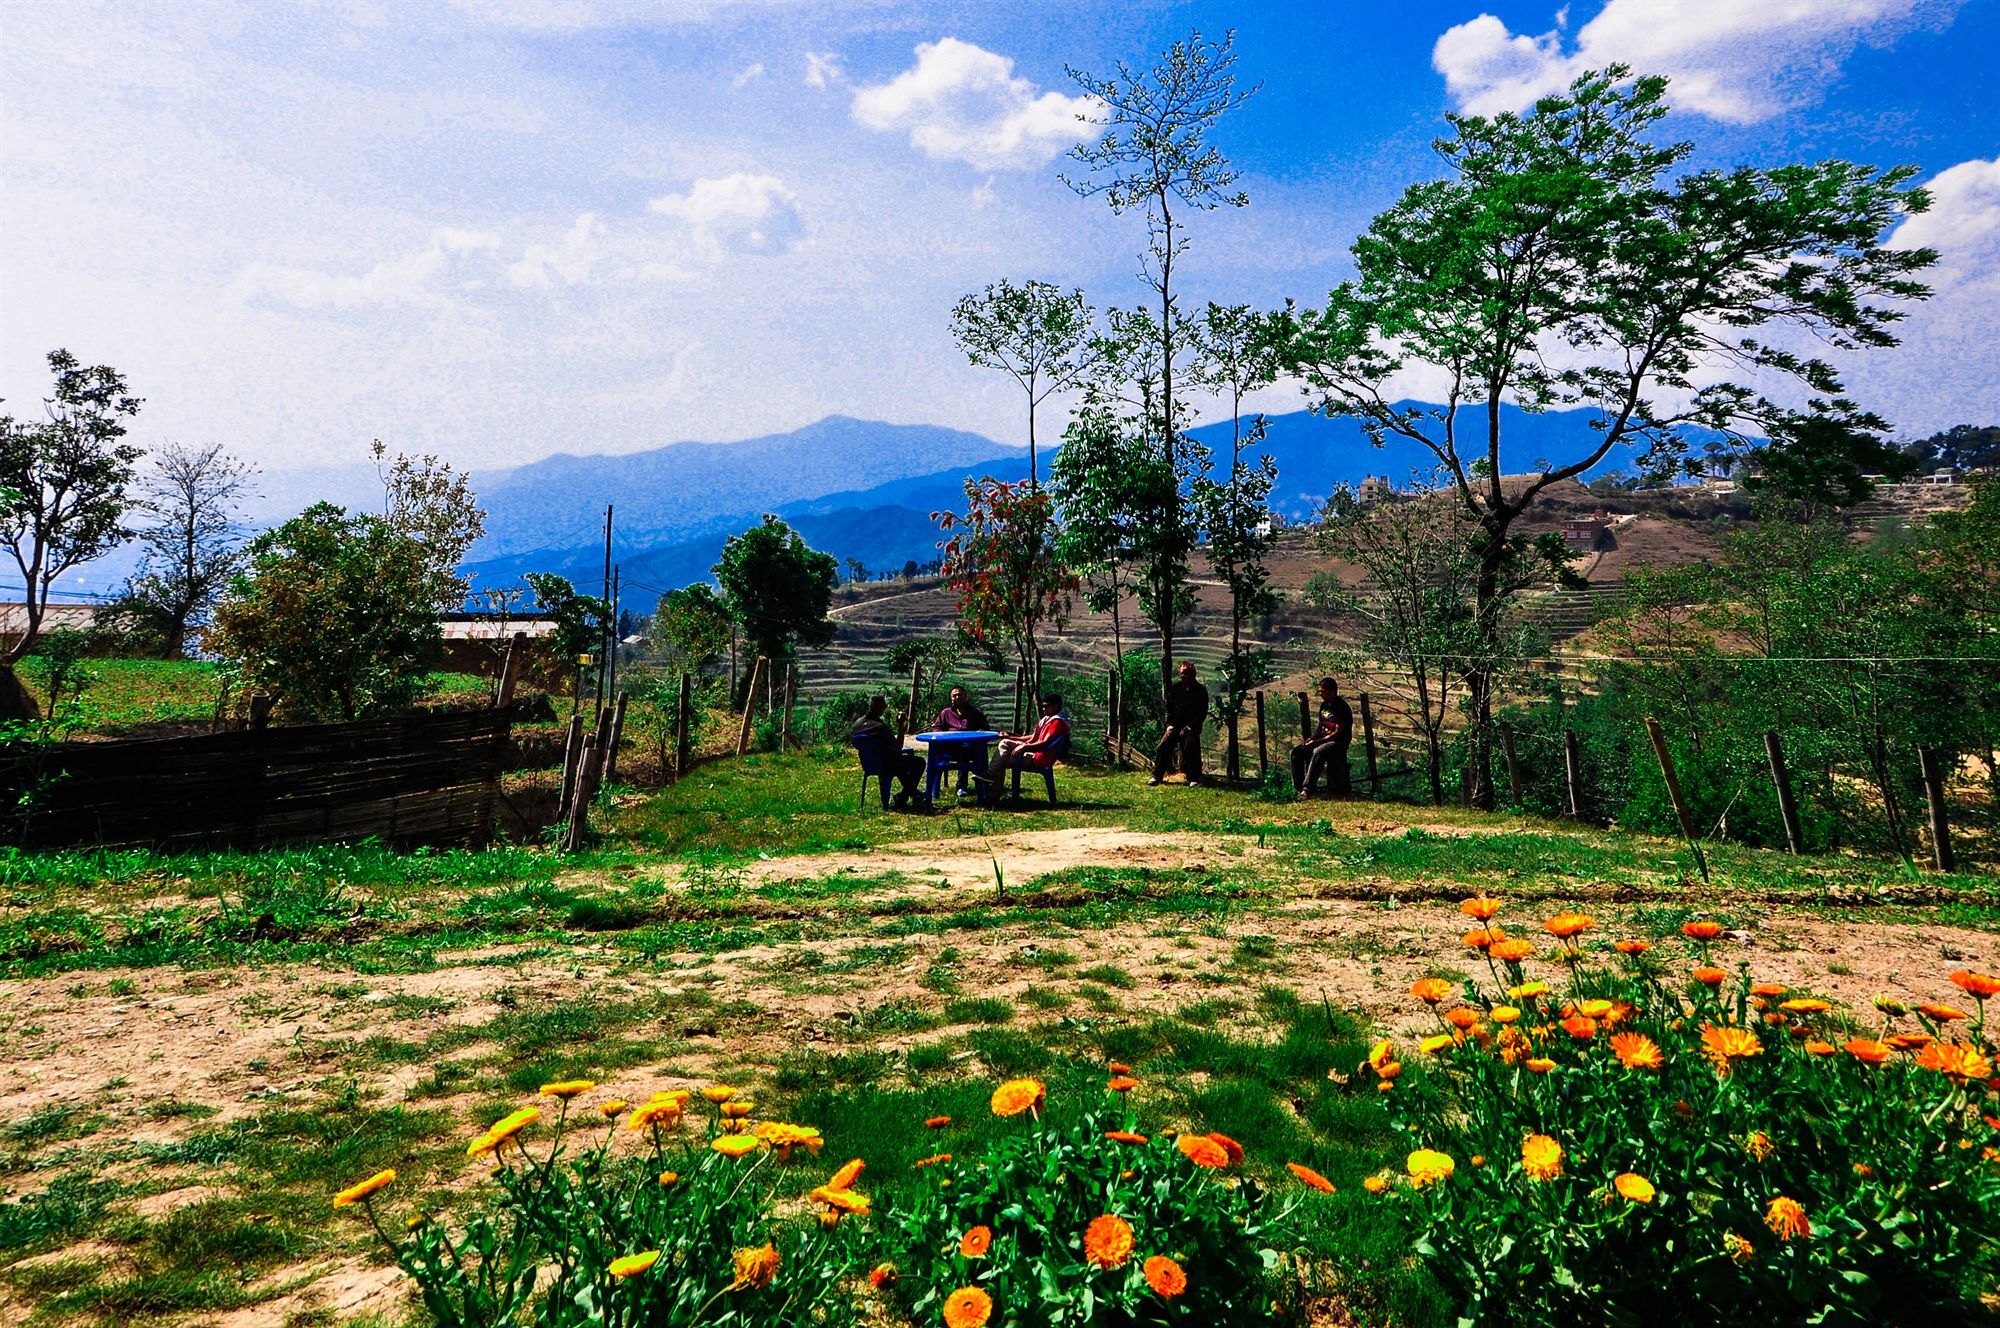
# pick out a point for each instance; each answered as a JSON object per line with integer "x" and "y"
{"x": 948, "y": 747}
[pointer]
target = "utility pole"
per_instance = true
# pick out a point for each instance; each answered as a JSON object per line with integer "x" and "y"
{"x": 604, "y": 658}
{"x": 611, "y": 687}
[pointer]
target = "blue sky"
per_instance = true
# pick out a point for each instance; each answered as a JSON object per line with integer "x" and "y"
{"x": 496, "y": 229}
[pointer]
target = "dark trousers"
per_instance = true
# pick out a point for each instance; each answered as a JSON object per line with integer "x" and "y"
{"x": 909, "y": 771}
{"x": 1187, "y": 743}
{"x": 1312, "y": 761}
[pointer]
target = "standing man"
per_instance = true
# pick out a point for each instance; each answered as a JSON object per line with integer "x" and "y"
{"x": 1187, "y": 710}
{"x": 960, "y": 715}
{"x": 1325, "y": 752}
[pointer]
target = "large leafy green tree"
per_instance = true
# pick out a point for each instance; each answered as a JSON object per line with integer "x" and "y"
{"x": 1098, "y": 478}
{"x": 65, "y": 481}
{"x": 999, "y": 560}
{"x": 1154, "y": 156}
{"x": 778, "y": 589}
{"x": 694, "y": 622}
{"x": 1568, "y": 261}
{"x": 333, "y": 616}
{"x": 1035, "y": 332}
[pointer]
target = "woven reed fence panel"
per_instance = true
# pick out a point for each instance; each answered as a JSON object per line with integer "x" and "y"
{"x": 414, "y": 779}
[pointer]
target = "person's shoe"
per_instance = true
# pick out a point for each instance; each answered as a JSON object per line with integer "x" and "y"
{"x": 902, "y": 801}
{"x": 1155, "y": 780}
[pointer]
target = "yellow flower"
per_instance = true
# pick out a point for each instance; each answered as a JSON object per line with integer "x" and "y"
{"x": 613, "y": 1108}
{"x": 630, "y": 1264}
{"x": 1427, "y": 1166}
{"x": 1758, "y": 1144}
{"x": 841, "y": 1199}
{"x": 1435, "y": 1043}
{"x": 1787, "y": 1219}
{"x": 1527, "y": 991}
{"x": 756, "y": 1268}
{"x": 845, "y": 1177}
{"x": 1726, "y": 1045}
{"x": 1805, "y": 1005}
{"x": 1382, "y": 1053}
{"x": 1374, "y": 1184}
{"x": 1634, "y": 1187}
{"x": 668, "y": 1178}
{"x": 1541, "y": 1157}
{"x": 1504, "y": 1014}
{"x": 568, "y": 1088}
{"x": 1016, "y": 1096}
{"x": 1540, "y": 1064}
{"x": 502, "y": 1130}
{"x": 718, "y": 1092}
{"x": 736, "y": 1145}
{"x": 356, "y": 1193}
{"x": 1595, "y": 1009}
{"x": 665, "y": 1113}
{"x": 738, "y": 1109}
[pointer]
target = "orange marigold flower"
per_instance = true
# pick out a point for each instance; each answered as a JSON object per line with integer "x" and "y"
{"x": 718, "y": 1092}
{"x": 1504, "y": 1014}
{"x": 1511, "y": 952}
{"x": 568, "y": 1088}
{"x": 1018, "y": 1095}
{"x": 1581, "y": 1027}
{"x": 1960, "y": 1060}
{"x": 967, "y": 1307}
{"x": 1375, "y": 1184}
{"x": 1758, "y": 1144}
{"x": 1430, "y": 990}
{"x": 1462, "y": 1018}
{"x": 1725, "y": 1046}
{"x": 1381, "y": 1054}
{"x": 1202, "y": 1150}
{"x": 1527, "y": 991}
{"x": 1769, "y": 989}
{"x": 1229, "y": 1146}
{"x": 841, "y": 1199}
{"x": 1310, "y": 1177}
{"x": 1910, "y": 1041}
{"x": 736, "y": 1145}
{"x": 1702, "y": 930}
{"x": 1481, "y": 938}
{"x": 612, "y": 1109}
{"x": 881, "y": 1275}
{"x": 1122, "y": 1084}
{"x": 1125, "y": 1136}
{"x": 1709, "y": 975}
{"x": 758, "y": 1267}
{"x": 1806, "y": 1005}
{"x": 1436, "y": 1043}
{"x": 937, "y": 1122}
{"x": 1566, "y": 925}
{"x": 931, "y": 1161}
{"x": 1118, "y": 1067}
{"x": 1818, "y": 1048}
{"x": 974, "y": 1243}
{"x": 1481, "y": 908}
{"x": 1738, "y": 1249}
{"x": 845, "y": 1177}
{"x": 1427, "y": 1166}
{"x": 1167, "y": 1278}
{"x": 1107, "y": 1241}
{"x": 1541, "y": 1157}
{"x": 1787, "y": 1219}
{"x": 359, "y": 1191}
{"x": 1596, "y": 1009}
{"x": 1634, "y": 1187}
{"x": 1863, "y": 1170}
{"x": 1632, "y": 947}
{"x": 1636, "y": 1051}
{"x": 1976, "y": 985}
{"x": 1540, "y": 1064}
{"x": 1942, "y": 1014}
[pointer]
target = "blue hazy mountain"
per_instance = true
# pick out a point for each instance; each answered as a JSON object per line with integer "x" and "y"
{"x": 886, "y": 524}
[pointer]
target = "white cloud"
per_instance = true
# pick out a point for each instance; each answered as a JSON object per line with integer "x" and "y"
{"x": 823, "y": 69}
{"x": 963, "y": 103}
{"x": 741, "y": 213}
{"x": 1736, "y": 60}
{"x": 411, "y": 279}
{"x": 568, "y": 260}
{"x": 753, "y": 72}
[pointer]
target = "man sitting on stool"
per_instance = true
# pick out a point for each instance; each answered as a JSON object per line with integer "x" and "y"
{"x": 1035, "y": 751}
{"x": 907, "y": 766}
{"x": 1187, "y": 709}
{"x": 1326, "y": 751}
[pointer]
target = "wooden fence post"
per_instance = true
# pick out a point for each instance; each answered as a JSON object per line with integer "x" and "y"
{"x": 750, "y": 706}
{"x": 1788, "y": 807}
{"x": 785, "y": 738}
{"x": 1658, "y": 737}
{"x": 1933, "y": 770}
{"x": 1020, "y": 689}
{"x": 510, "y": 670}
{"x": 1263, "y": 747}
{"x": 260, "y": 709}
{"x": 1513, "y": 761}
{"x": 916, "y": 685}
{"x": 1111, "y": 713}
{"x": 1368, "y": 746}
{"x": 586, "y": 789}
{"x": 1234, "y": 761}
{"x": 1573, "y": 773}
{"x": 683, "y": 714}
{"x": 1305, "y": 717}
{"x": 611, "y": 748}
{"x": 572, "y": 755}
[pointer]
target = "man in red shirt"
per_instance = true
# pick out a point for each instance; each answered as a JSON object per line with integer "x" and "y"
{"x": 1032, "y": 751}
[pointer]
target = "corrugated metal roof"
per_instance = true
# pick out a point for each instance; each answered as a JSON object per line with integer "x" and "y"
{"x": 14, "y": 617}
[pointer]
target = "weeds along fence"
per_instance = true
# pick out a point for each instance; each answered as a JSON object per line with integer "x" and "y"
{"x": 417, "y": 779}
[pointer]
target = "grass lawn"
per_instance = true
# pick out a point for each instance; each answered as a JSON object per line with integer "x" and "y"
{"x": 198, "y": 1049}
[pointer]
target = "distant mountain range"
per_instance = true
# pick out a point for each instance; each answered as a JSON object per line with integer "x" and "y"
{"x": 676, "y": 505}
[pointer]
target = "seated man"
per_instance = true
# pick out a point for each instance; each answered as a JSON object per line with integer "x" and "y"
{"x": 960, "y": 715}
{"x": 1031, "y": 751}
{"x": 907, "y": 767}
{"x": 1325, "y": 752}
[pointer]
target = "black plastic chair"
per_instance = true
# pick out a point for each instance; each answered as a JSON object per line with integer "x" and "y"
{"x": 875, "y": 765}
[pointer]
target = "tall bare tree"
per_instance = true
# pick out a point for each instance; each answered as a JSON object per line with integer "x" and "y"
{"x": 1154, "y": 155}
{"x": 65, "y": 479}
{"x": 194, "y": 540}
{"x": 1035, "y": 332}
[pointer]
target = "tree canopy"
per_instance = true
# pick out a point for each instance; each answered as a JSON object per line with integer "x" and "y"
{"x": 778, "y": 589}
